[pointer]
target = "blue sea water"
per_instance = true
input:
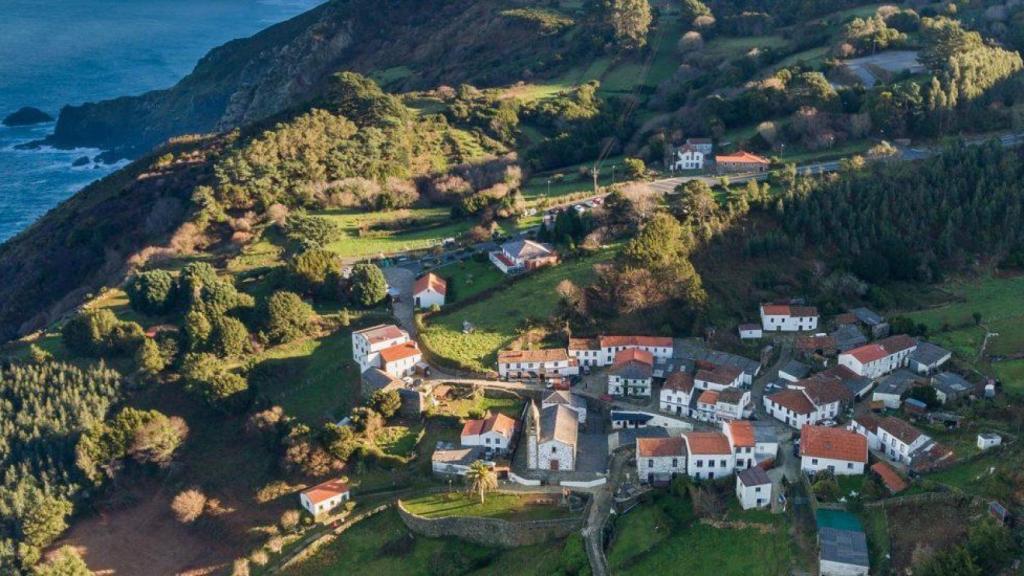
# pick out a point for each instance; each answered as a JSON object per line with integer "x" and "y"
{"x": 75, "y": 51}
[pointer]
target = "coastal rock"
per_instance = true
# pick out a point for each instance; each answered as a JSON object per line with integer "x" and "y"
{"x": 82, "y": 161}
{"x": 27, "y": 116}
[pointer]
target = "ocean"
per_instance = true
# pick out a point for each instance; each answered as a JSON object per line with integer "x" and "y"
{"x": 75, "y": 51}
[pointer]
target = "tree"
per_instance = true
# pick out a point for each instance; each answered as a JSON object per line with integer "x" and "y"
{"x": 188, "y": 506}
{"x": 369, "y": 287}
{"x": 366, "y": 420}
{"x": 230, "y": 337}
{"x": 38, "y": 355}
{"x": 287, "y": 317}
{"x": 991, "y": 546}
{"x": 949, "y": 562}
{"x": 386, "y": 402}
{"x": 64, "y": 562}
{"x": 87, "y": 333}
{"x": 635, "y": 168}
{"x": 290, "y": 519}
{"x": 156, "y": 441}
{"x": 481, "y": 479}
{"x": 151, "y": 293}
{"x": 198, "y": 330}
{"x": 692, "y": 9}
{"x": 630, "y": 19}
{"x": 826, "y": 487}
{"x": 340, "y": 441}
{"x": 148, "y": 358}
{"x": 660, "y": 243}
{"x": 207, "y": 376}
{"x": 45, "y": 517}
{"x": 316, "y": 272}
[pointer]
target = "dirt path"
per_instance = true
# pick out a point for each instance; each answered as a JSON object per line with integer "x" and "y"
{"x": 402, "y": 279}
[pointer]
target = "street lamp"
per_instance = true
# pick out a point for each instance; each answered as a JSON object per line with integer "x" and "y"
{"x": 549, "y": 187}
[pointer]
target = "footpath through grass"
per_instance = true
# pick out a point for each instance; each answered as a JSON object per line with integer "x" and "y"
{"x": 503, "y": 506}
{"x": 497, "y": 319}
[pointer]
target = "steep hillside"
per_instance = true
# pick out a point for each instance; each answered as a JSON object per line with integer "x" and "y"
{"x": 411, "y": 43}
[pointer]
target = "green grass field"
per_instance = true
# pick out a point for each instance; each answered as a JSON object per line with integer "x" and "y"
{"x": 662, "y": 536}
{"x": 383, "y": 545}
{"x": 496, "y": 319}
{"x": 435, "y": 225}
{"x": 313, "y": 380}
{"x": 467, "y": 278}
{"x": 728, "y": 48}
{"x": 504, "y": 506}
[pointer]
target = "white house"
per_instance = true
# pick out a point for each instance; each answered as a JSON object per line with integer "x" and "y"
{"x": 900, "y": 440}
{"x": 834, "y": 449}
{"x": 368, "y": 343}
{"x": 753, "y": 488}
{"x": 429, "y": 290}
{"x": 660, "y": 459}
{"x": 572, "y": 401}
{"x": 879, "y": 358}
{"x": 808, "y": 401}
{"x": 601, "y": 351}
{"x": 750, "y": 331}
{"x": 675, "y": 394}
{"x": 720, "y": 406}
{"x": 401, "y": 360}
{"x": 752, "y": 442}
{"x": 988, "y": 440}
{"x": 522, "y": 256}
{"x": 788, "y": 318}
{"x": 718, "y": 377}
{"x": 928, "y": 358}
{"x": 893, "y": 388}
{"x": 950, "y": 387}
{"x": 551, "y": 438}
{"x": 867, "y": 426}
{"x": 792, "y": 407}
{"x": 709, "y": 455}
{"x": 794, "y": 370}
{"x": 703, "y": 145}
{"x": 455, "y": 461}
{"x": 631, "y": 373}
{"x": 688, "y": 158}
{"x": 493, "y": 433}
{"x": 545, "y": 363}
{"x": 324, "y": 497}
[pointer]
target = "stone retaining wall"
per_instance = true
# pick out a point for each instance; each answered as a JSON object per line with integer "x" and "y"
{"x": 492, "y": 531}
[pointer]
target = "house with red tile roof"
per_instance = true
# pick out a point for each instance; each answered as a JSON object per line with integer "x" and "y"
{"x": 517, "y": 256}
{"x": 839, "y": 451}
{"x": 401, "y": 360}
{"x": 793, "y": 407}
{"x": 601, "y": 351}
{"x": 752, "y": 442}
{"x": 718, "y": 377}
{"x": 368, "y": 343}
{"x": 544, "y": 363}
{"x": 676, "y": 392}
{"x": 659, "y": 460}
{"x": 889, "y": 477}
{"x": 899, "y": 440}
{"x": 879, "y": 358}
{"x": 429, "y": 290}
{"x": 788, "y": 318}
{"x": 741, "y": 163}
{"x": 631, "y": 373}
{"x": 324, "y": 497}
{"x": 709, "y": 455}
{"x": 493, "y": 433}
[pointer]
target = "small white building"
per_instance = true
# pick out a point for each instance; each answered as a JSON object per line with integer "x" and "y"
{"x": 523, "y": 256}
{"x": 753, "y": 488}
{"x": 493, "y": 433}
{"x": 750, "y": 332}
{"x": 368, "y": 343}
{"x": 834, "y": 449}
{"x": 988, "y": 440}
{"x": 601, "y": 351}
{"x": 900, "y": 440}
{"x": 429, "y": 290}
{"x": 788, "y": 318}
{"x": 546, "y": 363}
{"x": 659, "y": 460}
{"x": 879, "y": 358}
{"x": 709, "y": 455}
{"x": 401, "y": 360}
{"x": 551, "y": 436}
{"x": 324, "y": 497}
{"x": 631, "y": 374}
{"x": 574, "y": 402}
{"x": 928, "y": 358}
{"x": 675, "y": 394}
{"x": 718, "y": 378}
{"x": 792, "y": 407}
{"x": 688, "y": 158}
{"x": 455, "y": 461}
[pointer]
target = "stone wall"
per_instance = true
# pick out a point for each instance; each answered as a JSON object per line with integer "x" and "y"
{"x": 492, "y": 531}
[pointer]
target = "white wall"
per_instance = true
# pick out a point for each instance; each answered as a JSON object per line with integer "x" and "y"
{"x": 518, "y": 369}
{"x": 491, "y": 439}
{"x": 898, "y": 450}
{"x": 704, "y": 466}
{"x": 403, "y": 367}
{"x": 785, "y": 323}
{"x": 662, "y": 467}
{"x": 618, "y": 386}
{"x": 892, "y": 401}
{"x": 323, "y": 506}
{"x": 873, "y": 442}
{"x": 829, "y": 568}
{"x": 428, "y": 298}
{"x": 749, "y": 495}
{"x": 839, "y": 467}
{"x": 554, "y": 450}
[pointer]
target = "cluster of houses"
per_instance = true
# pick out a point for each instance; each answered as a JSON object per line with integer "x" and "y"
{"x": 697, "y": 153}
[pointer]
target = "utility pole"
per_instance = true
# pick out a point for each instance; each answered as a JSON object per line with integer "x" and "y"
{"x": 595, "y": 173}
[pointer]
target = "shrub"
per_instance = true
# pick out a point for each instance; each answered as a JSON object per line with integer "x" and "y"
{"x": 369, "y": 287}
{"x": 290, "y": 519}
{"x": 287, "y": 317}
{"x": 152, "y": 292}
{"x": 188, "y": 506}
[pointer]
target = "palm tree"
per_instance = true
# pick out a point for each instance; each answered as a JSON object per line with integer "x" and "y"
{"x": 481, "y": 478}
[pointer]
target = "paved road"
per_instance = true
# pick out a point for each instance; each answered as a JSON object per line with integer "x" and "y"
{"x": 402, "y": 308}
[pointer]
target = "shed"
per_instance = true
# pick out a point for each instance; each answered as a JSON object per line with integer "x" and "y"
{"x": 988, "y": 440}
{"x": 842, "y": 552}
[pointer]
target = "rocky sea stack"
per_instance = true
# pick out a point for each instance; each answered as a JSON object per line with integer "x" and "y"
{"x": 27, "y": 116}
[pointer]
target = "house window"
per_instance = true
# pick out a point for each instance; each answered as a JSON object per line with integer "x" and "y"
{"x": 700, "y": 463}
{"x": 849, "y": 465}
{"x": 554, "y": 449}
{"x": 757, "y": 489}
{"x": 814, "y": 461}
{"x": 650, "y": 463}
{"x": 723, "y": 463}
{"x": 675, "y": 462}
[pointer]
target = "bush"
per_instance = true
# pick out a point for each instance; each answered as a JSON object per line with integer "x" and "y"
{"x": 369, "y": 287}
{"x": 151, "y": 293}
{"x": 188, "y": 506}
{"x": 287, "y": 317}
{"x": 316, "y": 272}
{"x": 96, "y": 333}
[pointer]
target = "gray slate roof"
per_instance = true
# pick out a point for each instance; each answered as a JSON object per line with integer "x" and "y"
{"x": 896, "y": 383}
{"x": 691, "y": 350}
{"x": 632, "y": 370}
{"x": 929, "y": 354}
{"x": 843, "y": 546}
{"x": 755, "y": 476}
{"x": 559, "y": 423}
{"x": 525, "y": 249}
{"x": 796, "y": 369}
{"x": 764, "y": 432}
{"x": 376, "y": 379}
{"x": 848, "y": 337}
{"x": 867, "y": 316}
{"x": 951, "y": 384}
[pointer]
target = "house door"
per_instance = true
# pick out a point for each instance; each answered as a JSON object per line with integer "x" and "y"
{"x": 554, "y": 465}
{"x": 418, "y": 302}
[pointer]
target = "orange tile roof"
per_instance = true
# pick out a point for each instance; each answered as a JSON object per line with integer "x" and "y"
{"x": 788, "y": 310}
{"x": 708, "y": 397}
{"x": 679, "y": 381}
{"x": 721, "y": 374}
{"x": 794, "y": 400}
{"x": 583, "y": 344}
{"x": 497, "y": 422}
{"x": 823, "y": 389}
{"x": 882, "y": 348}
{"x": 835, "y": 443}
{"x": 431, "y": 281}
{"x": 742, "y": 433}
{"x": 703, "y": 443}
{"x": 743, "y": 157}
{"x": 659, "y": 341}
{"x": 399, "y": 352}
{"x": 633, "y": 355}
{"x": 892, "y": 480}
{"x": 381, "y": 332}
{"x": 868, "y": 353}
{"x": 655, "y": 447}
{"x": 325, "y": 491}
{"x": 897, "y": 343}
{"x": 543, "y": 355}
{"x": 900, "y": 429}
